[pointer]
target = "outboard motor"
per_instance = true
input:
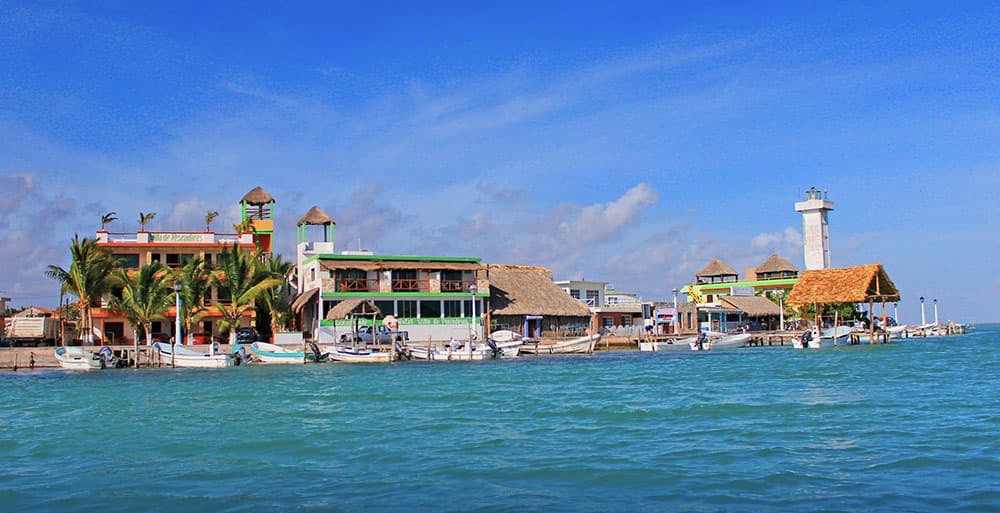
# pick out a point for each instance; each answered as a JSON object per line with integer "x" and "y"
{"x": 315, "y": 350}
{"x": 107, "y": 356}
{"x": 806, "y": 338}
{"x": 493, "y": 346}
{"x": 239, "y": 355}
{"x": 400, "y": 352}
{"x": 215, "y": 348}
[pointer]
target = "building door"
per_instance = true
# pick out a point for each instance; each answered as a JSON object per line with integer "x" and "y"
{"x": 114, "y": 332}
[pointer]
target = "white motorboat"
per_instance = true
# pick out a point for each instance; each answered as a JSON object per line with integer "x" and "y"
{"x": 836, "y": 335}
{"x": 78, "y": 358}
{"x": 181, "y": 356}
{"x": 506, "y": 343}
{"x": 350, "y": 354}
{"x": 451, "y": 352}
{"x": 730, "y": 342}
{"x": 584, "y": 344}
{"x": 667, "y": 346}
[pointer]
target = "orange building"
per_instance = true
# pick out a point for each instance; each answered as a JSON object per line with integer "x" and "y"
{"x": 133, "y": 250}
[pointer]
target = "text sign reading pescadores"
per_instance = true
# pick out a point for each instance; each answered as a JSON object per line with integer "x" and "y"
{"x": 176, "y": 237}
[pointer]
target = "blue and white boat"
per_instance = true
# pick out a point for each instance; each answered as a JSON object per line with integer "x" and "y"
{"x": 264, "y": 352}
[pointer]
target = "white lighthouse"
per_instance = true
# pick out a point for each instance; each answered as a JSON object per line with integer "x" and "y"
{"x": 815, "y": 229}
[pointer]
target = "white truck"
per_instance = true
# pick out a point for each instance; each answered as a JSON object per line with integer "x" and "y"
{"x": 32, "y": 331}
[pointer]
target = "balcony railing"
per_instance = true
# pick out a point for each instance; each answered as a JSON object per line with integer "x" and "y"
{"x": 456, "y": 285}
{"x": 357, "y": 285}
{"x": 410, "y": 285}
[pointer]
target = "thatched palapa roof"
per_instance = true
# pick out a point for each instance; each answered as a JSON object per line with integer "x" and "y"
{"x": 354, "y": 307}
{"x": 850, "y": 285}
{"x": 526, "y": 290}
{"x": 753, "y": 306}
{"x": 258, "y": 196}
{"x": 775, "y": 264}
{"x": 315, "y": 216}
{"x": 302, "y": 299}
{"x": 717, "y": 268}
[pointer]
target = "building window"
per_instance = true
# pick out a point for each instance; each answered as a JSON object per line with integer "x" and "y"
{"x": 575, "y": 294}
{"x": 327, "y": 306}
{"x": 626, "y": 321}
{"x": 407, "y": 308}
{"x": 386, "y": 307}
{"x": 430, "y": 308}
{"x": 608, "y": 322}
{"x": 126, "y": 261}
{"x": 452, "y": 308}
{"x": 592, "y": 297}
{"x": 208, "y": 259}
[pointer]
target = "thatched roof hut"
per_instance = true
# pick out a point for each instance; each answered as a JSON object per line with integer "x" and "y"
{"x": 315, "y": 216}
{"x": 354, "y": 307}
{"x": 751, "y": 306}
{"x": 716, "y": 271}
{"x": 257, "y": 196}
{"x": 776, "y": 266}
{"x": 864, "y": 284}
{"x": 525, "y": 299}
{"x": 526, "y": 290}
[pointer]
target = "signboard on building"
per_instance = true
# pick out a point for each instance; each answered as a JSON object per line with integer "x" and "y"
{"x": 176, "y": 237}
{"x": 741, "y": 291}
{"x": 665, "y": 315}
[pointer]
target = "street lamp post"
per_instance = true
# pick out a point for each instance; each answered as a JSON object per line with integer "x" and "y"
{"x": 177, "y": 320}
{"x": 935, "y": 312}
{"x": 923, "y": 318}
{"x": 472, "y": 324}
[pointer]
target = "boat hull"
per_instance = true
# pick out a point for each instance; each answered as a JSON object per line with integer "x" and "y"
{"x": 351, "y": 355}
{"x": 445, "y": 354}
{"x": 78, "y": 359}
{"x": 273, "y": 354}
{"x": 190, "y": 359}
{"x": 670, "y": 346}
{"x": 581, "y": 345}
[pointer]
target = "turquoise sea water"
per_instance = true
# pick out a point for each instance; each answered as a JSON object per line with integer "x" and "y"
{"x": 913, "y": 426}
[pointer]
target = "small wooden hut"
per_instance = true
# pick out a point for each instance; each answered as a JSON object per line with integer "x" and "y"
{"x": 865, "y": 284}
{"x": 525, "y": 299}
{"x": 759, "y": 308}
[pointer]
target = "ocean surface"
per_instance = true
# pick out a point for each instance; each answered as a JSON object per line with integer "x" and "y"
{"x": 911, "y": 426}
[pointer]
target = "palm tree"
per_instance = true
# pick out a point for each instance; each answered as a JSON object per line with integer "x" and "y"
{"x": 195, "y": 286}
{"x": 273, "y": 301}
{"x": 240, "y": 277}
{"x": 145, "y": 218}
{"x": 209, "y": 217}
{"x": 245, "y": 226}
{"x": 146, "y": 295}
{"x": 107, "y": 218}
{"x": 88, "y": 277}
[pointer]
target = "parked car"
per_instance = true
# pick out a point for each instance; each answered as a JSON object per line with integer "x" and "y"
{"x": 383, "y": 335}
{"x": 246, "y": 335}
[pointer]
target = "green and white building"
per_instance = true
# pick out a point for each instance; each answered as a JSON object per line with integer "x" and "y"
{"x": 432, "y": 298}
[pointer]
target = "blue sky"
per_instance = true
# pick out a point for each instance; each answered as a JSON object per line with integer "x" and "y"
{"x": 626, "y": 142}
